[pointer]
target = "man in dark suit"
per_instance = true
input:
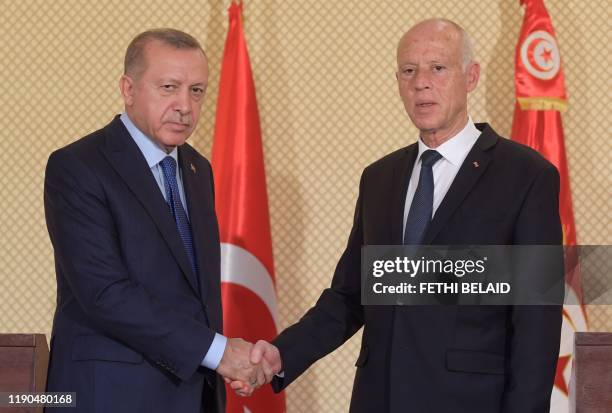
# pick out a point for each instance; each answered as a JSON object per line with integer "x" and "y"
{"x": 481, "y": 189}
{"x": 130, "y": 214}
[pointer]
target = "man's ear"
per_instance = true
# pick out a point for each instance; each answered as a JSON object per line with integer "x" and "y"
{"x": 126, "y": 87}
{"x": 472, "y": 75}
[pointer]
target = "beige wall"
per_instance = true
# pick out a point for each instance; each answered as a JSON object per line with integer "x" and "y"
{"x": 324, "y": 72}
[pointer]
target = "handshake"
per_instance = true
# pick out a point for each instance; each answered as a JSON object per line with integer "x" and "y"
{"x": 246, "y": 367}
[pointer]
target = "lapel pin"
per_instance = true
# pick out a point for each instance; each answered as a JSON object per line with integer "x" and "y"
{"x": 193, "y": 168}
{"x": 476, "y": 164}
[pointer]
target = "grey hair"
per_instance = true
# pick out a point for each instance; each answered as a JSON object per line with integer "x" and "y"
{"x": 467, "y": 47}
{"x": 134, "y": 62}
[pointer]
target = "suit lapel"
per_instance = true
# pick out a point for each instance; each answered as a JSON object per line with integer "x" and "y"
{"x": 196, "y": 202}
{"x": 402, "y": 169}
{"x": 471, "y": 170}
{"x": 125, "y": 157}
{"x": 401, "y": 177}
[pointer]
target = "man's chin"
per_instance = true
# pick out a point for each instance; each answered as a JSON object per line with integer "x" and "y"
{"x": 424, "y": 121}
{"x": 173, "y": 140}
{"x": 427, "y": 127}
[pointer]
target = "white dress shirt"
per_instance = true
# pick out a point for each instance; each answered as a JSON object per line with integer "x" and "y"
{"x": 453, "y": 151}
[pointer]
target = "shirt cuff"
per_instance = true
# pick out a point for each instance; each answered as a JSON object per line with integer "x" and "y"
{"x": 215, "y": 352}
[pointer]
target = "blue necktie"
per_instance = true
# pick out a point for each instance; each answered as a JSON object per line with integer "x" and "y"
{"x": 421, "y": 207}
{"x": 173, "y": 199}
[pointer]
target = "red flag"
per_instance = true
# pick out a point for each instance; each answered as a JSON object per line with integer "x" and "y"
{"x": 247, "y": 267}
{"x": 541, "y": 96}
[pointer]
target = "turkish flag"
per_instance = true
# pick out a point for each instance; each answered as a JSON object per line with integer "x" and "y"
{"x": 241, "y": 202}
{"x": 541, "y": 96}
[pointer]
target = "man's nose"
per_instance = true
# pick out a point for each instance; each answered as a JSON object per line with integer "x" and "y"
{"x": 183, "y": 102}
{"x": 422, "y": 80}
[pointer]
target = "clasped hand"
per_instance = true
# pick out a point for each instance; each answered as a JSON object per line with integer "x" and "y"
{"x": 247, "y": 366}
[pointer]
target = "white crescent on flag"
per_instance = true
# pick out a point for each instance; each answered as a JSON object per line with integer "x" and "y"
{"x": 239, "y": 266}
{"x": 540, "y": 55}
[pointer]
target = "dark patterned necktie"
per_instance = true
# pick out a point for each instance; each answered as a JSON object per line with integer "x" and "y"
{"x": 421, "y": 207}
{"x": 173, "y": 199}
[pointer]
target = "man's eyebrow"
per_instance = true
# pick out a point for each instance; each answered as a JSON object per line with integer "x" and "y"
{"x": 427, "y": 62}
{"x": 165, "y": 80}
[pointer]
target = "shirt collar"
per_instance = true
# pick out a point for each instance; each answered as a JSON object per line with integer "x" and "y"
{"x": 152, "y": 152}
{"x": 456, "y": 148}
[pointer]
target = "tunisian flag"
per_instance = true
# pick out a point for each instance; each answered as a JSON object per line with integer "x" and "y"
{"x": 541, "y": 97}
{"x": 247, "y": 268}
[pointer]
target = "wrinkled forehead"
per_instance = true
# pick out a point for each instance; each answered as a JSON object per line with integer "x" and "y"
{"x": 428, "y": 41}
{"x": 155, "y": 48}
{"x": 162, "y": 57}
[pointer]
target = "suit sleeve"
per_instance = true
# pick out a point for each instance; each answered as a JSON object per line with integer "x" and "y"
{"x": 535, "y": 330}
{"x": 88, "y": 254}
{"x": 336, "y": 316}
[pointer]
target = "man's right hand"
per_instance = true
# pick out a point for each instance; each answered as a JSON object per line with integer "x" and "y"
{"x": 236, "y": 365}
{"x": 268, "y": 357}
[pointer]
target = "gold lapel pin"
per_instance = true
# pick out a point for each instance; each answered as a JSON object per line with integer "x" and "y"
{"x": 476, "y": 164}
{"x": 193, "y": 168}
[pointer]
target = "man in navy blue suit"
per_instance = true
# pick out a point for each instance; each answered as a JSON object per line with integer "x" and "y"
{"x": 130, "y": 214}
